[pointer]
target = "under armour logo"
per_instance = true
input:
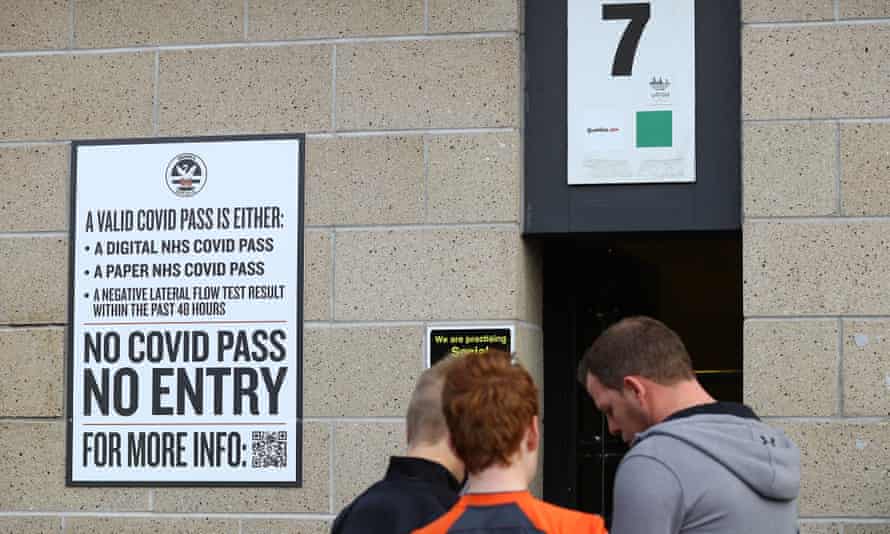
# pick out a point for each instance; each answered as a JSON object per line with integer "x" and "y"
{"x": 768, "y": 441}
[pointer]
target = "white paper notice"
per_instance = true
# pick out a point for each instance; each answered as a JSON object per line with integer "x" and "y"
{"x": 185, "y": 335}
{"x": 631, "y": 91}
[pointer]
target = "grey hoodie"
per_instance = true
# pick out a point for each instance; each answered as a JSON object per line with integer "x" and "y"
{"x": 708, "y": 473}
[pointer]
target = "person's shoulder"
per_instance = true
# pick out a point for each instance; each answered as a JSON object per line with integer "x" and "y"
{"x": 656, "y": 443}
{"x": 567, "y": 521}
{"x": 386, "y": 506}
{"x": 405, "y": 495}
{"x": 443, "y": 523}
{"x": 655, "y": 457}
{"x": 370, "y": 503}
{"x": 654, "y": 446}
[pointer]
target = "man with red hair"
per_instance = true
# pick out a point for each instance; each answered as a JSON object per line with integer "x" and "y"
{"x": 491, "y": 408}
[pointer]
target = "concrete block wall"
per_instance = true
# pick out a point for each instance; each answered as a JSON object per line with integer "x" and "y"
{"x": 413, "y": 114}
{"x": 412, "y": 110}
{"x": 816, "y": 113}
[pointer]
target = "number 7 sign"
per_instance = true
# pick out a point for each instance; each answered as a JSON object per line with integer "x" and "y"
{"x": 627, "y": 47}
{"x": 631, "y": 91}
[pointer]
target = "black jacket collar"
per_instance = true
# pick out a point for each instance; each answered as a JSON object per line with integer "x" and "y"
{"x": 715, "y": 408}
{"x": 407, "y": 467}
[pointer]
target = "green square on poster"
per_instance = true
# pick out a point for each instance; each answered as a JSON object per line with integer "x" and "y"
{"x": 654, "y": 129}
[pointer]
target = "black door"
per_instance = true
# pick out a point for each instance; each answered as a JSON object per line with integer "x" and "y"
{"x": 691, "y": 281}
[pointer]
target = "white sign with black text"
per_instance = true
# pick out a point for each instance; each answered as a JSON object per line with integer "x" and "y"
{"x": 186, "y": 286}
{"x": 631, "y": 91}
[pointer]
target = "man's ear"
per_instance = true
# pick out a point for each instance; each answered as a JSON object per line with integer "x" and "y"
{"x": 636, "y": 387}
{"x": 533, "y": 435}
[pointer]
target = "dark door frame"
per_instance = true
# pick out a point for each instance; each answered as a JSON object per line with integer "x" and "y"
{"x": 591, "y": 281}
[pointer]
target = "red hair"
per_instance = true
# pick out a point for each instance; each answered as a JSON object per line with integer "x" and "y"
{"x": 489, "y": 403}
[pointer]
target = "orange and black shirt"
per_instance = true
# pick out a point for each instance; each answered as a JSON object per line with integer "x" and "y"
{"x": 512, "y": 513}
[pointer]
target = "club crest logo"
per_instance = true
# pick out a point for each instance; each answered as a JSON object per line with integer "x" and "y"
{"x": 660, "y": 91}
{"x": 659, "y": 84}
{"x": 186, "y": 175}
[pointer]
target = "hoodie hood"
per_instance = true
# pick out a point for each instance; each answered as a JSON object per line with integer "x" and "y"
{"x": 761, "y": 456}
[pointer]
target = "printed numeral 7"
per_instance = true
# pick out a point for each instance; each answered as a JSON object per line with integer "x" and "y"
{"x": 627, "y": 47}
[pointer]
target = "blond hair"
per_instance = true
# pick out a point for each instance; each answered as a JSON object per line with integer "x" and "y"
{"x": 425, "y": 422}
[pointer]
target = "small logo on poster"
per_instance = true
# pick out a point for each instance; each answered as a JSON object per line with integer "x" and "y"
{"x": 660, "y": 90}
{"x": 186, "y": 175}
{"x": 659, "y": 84}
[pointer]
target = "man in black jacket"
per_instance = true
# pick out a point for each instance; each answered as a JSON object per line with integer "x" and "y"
{"x": 420, "y": 486}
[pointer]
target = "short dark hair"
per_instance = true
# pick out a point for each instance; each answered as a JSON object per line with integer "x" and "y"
{"x": 637, "y": 346}
{"x": 489, "y": 401}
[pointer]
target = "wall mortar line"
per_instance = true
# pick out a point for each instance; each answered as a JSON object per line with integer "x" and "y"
{"x": 804, "y": 317}
{"x": 424, "y": 345}
{"x": 309, "y": 516}
{"x": 14, "y": 328}
{"x": 321, "y": 325}
{"x": 426, "y": 179}
{"x": 15, "y": 235}
{"x": 266, "y": 44}
{"x": 71, "y": 22}
{"x": 443, "y": 226}
{"x": 338, "y": 419}
{"x": 246, "y": 21}
{"x": 838, "y": 170}
{"x": 840, "y": 367}
{"x": 870, "y": 519}
{"x": 29, "y": 144}
{"x": 156, "y": 96}
{"x": 808, "y": 120}
{"x": 414, "y": 323}
{"x": 331, "y": 457}
{"x": 818, "y": 23}
{"x": 823, "y": 219}
{"x": 315, "y": 135}
{"x": 857, "y": 420}
{"x": 408, "y": 131}
{"x": 31, "y": 420}
{"x": 334, "y": 88}
{"x": 333, "y": 313}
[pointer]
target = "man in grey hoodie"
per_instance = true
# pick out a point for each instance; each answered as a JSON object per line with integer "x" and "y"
{"x": 695, "y": 465}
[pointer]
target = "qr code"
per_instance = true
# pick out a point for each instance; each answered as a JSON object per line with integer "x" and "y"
{"x": 269, "y": 448}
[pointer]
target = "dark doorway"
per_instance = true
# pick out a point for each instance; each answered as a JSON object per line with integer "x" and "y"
{"x": 692, "y": 281}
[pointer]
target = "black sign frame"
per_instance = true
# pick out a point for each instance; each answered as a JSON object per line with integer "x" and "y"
{"x": 459, "y": 336}
{"x": 713, "y": 202}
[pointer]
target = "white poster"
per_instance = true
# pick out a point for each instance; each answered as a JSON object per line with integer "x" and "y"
{"x": 185, "y": 338}
{"x": 631, "y": 91}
